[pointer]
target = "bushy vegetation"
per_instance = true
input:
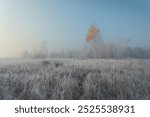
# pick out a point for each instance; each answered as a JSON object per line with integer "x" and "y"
{"x": 76, "y": 79}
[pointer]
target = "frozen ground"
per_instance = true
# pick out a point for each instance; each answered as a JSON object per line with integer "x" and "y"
{"x": 75, "y": 79}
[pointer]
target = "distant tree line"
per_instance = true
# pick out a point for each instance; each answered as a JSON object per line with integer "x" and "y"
{"x": 41, "y": 53}
{"x": 105, "y": 51}
{"x": 95, "y": 50}
{"x": 95, "y": 47}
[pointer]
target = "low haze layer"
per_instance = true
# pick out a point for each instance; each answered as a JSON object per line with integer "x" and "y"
{"x": 63, "y": 25}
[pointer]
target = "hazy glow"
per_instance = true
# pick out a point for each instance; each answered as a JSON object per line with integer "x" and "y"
{"x": 24, "y": 24}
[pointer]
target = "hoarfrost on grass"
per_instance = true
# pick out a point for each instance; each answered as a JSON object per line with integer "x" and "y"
{"x": 75, "y": 79}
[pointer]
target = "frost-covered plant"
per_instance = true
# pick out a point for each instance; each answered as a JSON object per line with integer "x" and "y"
{"x": 75, "y": 79}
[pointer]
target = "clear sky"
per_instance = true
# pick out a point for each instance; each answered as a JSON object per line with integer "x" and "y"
{"x": 64, "y": 23}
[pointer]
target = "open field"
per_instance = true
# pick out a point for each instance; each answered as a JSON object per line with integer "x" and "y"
{"x": 75, "y": 79}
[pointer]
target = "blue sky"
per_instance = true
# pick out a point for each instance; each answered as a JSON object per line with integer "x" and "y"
{"x": 64, "y": 23}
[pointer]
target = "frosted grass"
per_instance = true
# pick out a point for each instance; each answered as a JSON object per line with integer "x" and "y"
{"x": 75, "y": 79}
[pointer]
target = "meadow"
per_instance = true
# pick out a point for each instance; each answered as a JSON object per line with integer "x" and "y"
{"x": 75, "y": 79}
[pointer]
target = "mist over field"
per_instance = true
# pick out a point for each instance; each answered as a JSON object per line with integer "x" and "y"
{"x": 94, "y": 47}
{"x": 123, "y": 27}
{"x": 75, "y": 50}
